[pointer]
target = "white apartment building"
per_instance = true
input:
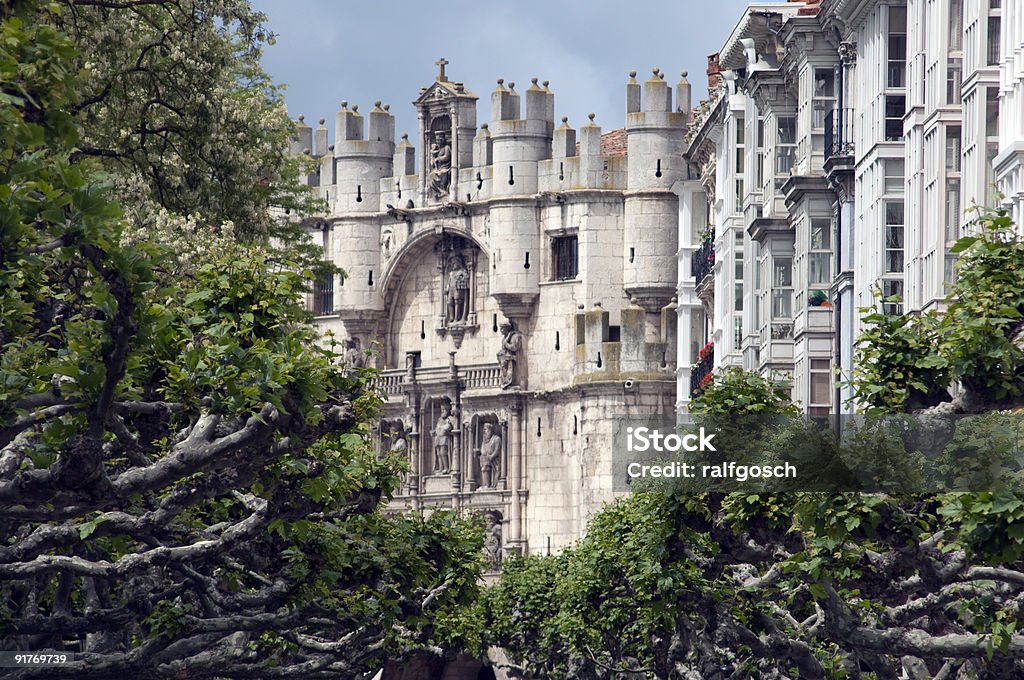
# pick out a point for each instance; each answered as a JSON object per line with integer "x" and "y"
{"x": 838, "y": 156}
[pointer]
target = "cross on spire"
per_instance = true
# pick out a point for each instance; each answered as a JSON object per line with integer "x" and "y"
{"x": 441, "y": 63}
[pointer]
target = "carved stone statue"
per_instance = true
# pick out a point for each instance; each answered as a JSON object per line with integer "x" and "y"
{"x": 354, "y": 357}
{"x": 490, "y": 457}
{"x": 457, "y": 290}
{"x": 443, "y": 429}
{"x": 492, "y": 545}
{"x": 508, "y": 357}
{"x": 440, "y": 166}
{"x": 398, "y": 444}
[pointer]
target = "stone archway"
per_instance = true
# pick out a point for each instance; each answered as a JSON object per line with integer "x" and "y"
{"x": 415, "y": 283}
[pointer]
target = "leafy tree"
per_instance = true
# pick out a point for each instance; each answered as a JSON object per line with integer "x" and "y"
{"x": 187, "y": 482}
{"x": 718, "y": 586}
{"x": 897, "y": 365}
{"x": 908, "y": 362}
{"x": 981, "y": 328}
{"x": 174, "y": 104}
{"x": 734, "y": 391}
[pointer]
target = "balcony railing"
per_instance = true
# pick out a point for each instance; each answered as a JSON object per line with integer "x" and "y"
{"x": 701, "y": 374}
{"x": 839, "y": 133}
{"x": 703, "y": 260}
{"x": 473, "y": 377}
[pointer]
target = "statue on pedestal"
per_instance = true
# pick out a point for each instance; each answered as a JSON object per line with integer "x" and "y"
{"x": 440, "y": 166}
{"x": 490, "y": 457}
{"x": 354, "y": 356}
{"x": 457, "y": 292}
{"x": 443, "y": 429}
{"x": 508, "y": 357}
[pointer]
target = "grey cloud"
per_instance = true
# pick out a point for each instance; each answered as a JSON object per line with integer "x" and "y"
{"x": 329, "y": 51}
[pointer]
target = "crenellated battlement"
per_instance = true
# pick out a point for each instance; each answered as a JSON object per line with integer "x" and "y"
{"x": 547, "y": 210}
{"x": 519, "y": 152}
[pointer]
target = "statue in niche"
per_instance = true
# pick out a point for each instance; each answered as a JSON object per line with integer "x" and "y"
{"x": 490, "y": 457}
{"x": 399, "y": 446}
{"x": 492, "y": 544}
{"x": 443, "y": 429}
{"x": 354, "y": 356}
{"x": 457, "y": 293}
{"x": 440, "y": 166}
{"x": 387, "y": 243}
{"x": 508, "y": 357}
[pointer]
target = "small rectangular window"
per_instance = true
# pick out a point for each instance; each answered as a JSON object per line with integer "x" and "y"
{"x": 893, "y": 180}
{"x": 565, "y": 256}
{"x": 954, "y": 81}
{"x": 994, "y": 51}
{"x": 893, "y": 238}
{"x": 892, "y": 288}
{"x": 895, "y": 107}
{"x": 323, "y": 295}
{"x": 956, "y": 25}
{"x": 953, "y": 214}
{"x": 897, "y": 47}
{"x": 992, "y": 112}
{"x": 953, "y": 148}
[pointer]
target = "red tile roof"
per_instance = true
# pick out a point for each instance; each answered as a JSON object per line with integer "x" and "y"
{"x": 612, "y": 143}
{"x": 810, "y": 9}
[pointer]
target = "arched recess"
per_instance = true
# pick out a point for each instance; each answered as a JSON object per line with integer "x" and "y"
{"x": 418, "y": 246}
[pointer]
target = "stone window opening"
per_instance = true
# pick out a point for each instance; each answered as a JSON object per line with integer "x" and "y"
{"x": 323, "y": 294}
{"x": 564, "y": 258}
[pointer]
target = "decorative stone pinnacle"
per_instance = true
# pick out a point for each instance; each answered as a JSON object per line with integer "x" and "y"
{"x": 632, "y": 74}
{"x": 591, "y": 116}
{"x": 565, "y": 119}
{"x": 511, "y": 86}
{"x": 534, "y": 80}
{"x": 483, "y": 126}
{"x": 344, "y": 104}
{"x": 302, "y": 118}
{"x": 655, "y": 70}
{"x": 376, "y": 103}
{"x": 405, "y": 136}
{"x": 501, "y": 81}
{"x": 322, "y": 121}
{"x": 546, "y": 83}
{"x": 387, "y": 107}
{"x": 355, "y": 108}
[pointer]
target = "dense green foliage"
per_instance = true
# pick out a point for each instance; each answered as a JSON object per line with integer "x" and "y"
{"x": 188, "y": 485}
{"x": 897, "y": 364}
{"x": 755, "y": 585}
{"x": 908, "y": 362}
{"x": 737, "y": 391}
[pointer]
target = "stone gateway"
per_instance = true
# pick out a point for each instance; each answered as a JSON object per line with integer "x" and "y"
{"x": 507, "y": 282}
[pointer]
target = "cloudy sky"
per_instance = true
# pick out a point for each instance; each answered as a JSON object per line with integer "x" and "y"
{"x": 333, "y": 50}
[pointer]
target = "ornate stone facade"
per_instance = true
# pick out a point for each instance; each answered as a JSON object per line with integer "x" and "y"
{"x": 506, "y": 286}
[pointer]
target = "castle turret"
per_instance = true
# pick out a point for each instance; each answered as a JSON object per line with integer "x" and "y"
{"x": 302, "y": 141}
{"x": 364, "y": 152}
{"x": 362, "y": 160}
{"x": 655, "y": 138}
{"x": 517, "y": 146}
